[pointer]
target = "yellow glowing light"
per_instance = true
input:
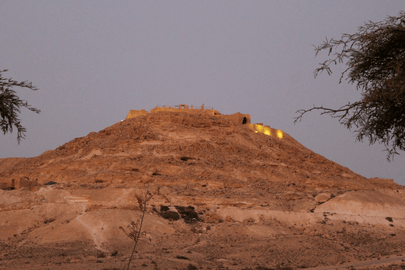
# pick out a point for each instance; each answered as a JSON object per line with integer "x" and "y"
{"x": 265, "y": 130}
{"x": 259, "y": 128}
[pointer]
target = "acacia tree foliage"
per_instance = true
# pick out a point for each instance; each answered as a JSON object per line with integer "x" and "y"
{"x": 11, "y": 104}
{"x": 375, "y": 64}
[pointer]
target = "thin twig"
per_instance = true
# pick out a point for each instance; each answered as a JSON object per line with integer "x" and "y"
{"x": 136, "y": 232}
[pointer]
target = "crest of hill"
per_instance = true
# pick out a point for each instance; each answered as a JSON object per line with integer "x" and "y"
{"x": 177, "y": 148}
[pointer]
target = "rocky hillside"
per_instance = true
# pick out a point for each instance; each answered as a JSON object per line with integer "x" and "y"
{"x": 191, "y": 147}
{"x": 224, "y": 196}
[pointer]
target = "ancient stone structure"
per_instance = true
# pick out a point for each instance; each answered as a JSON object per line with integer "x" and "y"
{"x": 260, "y": 128}
{"x": 238, "y": 118}
{"x": 185, "y": 108}
{"x": 135, "y": 113}
{"x": 22, "y": 182}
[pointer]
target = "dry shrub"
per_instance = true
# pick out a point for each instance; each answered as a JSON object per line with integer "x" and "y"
{"x": 134, "y": 229}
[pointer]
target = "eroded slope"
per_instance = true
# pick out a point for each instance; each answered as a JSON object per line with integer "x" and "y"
{"x": 224, "y": 197}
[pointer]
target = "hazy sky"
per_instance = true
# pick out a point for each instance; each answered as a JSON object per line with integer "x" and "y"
{"x": 95, "y": 60}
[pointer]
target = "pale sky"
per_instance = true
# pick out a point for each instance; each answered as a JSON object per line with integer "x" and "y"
{"x": 93, "y": 61}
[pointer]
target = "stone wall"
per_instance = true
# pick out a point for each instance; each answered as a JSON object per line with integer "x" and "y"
{"x": 238, "y": 118}
{"x": 135, "y": 113}
{"x": 267, "y": 130}
{"x": 23, "y": 182}
{"x": 178, "y": 108}
{"x": 185, "y": 108}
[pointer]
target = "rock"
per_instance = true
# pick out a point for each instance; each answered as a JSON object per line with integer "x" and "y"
{"x": 322, "y": 197}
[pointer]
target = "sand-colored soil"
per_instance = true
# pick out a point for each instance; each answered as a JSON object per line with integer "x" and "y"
{"x": 224, "y": 198}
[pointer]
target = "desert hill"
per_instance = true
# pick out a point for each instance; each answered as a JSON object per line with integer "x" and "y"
{"x": 189, "y": 146}
{"x": 224, "y": 196}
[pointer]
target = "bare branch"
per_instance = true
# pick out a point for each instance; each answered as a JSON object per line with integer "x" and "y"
{"x": 375, "y": 60}
{"x": 135, "y": 229}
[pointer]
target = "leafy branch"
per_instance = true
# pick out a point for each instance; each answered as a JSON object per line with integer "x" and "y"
{"x": 11, "y": 104}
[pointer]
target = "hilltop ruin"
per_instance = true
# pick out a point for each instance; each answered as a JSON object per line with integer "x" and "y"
{"x": 238, "y": 118}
